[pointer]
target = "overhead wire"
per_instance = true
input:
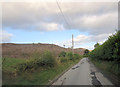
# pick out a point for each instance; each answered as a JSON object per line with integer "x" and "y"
{"x": 63, "y": 14}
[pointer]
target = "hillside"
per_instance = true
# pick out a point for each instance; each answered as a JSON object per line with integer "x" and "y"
{"x": 12, "y": 50}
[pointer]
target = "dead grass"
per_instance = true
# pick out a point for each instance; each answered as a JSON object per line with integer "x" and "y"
{"x": 11, "y": 50}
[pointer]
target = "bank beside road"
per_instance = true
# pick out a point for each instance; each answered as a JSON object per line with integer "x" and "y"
{"x": 83, "y": 73}
{"x": 39, "y": 70}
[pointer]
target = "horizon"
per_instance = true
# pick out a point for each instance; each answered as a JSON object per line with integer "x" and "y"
{"x": 40, "y": 43}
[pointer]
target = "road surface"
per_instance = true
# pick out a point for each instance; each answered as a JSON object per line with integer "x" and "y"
{"x": 83, "y": 73}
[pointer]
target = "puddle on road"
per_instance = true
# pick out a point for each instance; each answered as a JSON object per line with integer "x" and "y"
{"x": 95, "y": 81}
{"x": 75, "y": 67}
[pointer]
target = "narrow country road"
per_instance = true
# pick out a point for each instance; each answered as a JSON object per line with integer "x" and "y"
{"x": 83, "y": 73}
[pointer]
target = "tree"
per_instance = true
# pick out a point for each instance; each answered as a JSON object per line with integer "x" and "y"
{"x": 109, "y": 50}
{"x": 96, "y": 45}
{"x": 86, "y": 52}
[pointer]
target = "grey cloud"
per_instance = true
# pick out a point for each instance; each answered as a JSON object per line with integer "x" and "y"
{"x": 85, "y": 40}
{"x": 45, "y": 16}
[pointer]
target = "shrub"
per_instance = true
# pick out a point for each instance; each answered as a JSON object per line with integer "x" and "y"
{"x": 63, "y": 59}
{"x": 48, "y": 59}
{"x": 76, "y": 56}
{"x": 45, "y": 61}
{"x": 109, "y": 50}
{"x": 70, "y": 56}
{"x": 62, "y": 54}
{"x": 86, "y": 52}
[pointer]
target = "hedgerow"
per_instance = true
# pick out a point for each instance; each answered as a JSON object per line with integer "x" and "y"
{"x": 109, "y": 50}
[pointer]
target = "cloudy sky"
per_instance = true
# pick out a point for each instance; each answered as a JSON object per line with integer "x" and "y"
{"x": 43, "y": 22}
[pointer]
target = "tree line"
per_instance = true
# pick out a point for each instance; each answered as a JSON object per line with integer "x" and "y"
{"x": 109, "y": 50}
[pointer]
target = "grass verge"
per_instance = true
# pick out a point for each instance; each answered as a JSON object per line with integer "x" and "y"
{"x": 39, "y": 77}
{"x": 110, "y": 69}
{"x": 10, "y": 63}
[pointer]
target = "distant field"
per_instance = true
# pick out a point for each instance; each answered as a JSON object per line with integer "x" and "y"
{"x": 11, "y": 50}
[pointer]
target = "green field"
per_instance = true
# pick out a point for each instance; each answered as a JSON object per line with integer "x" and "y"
{"x": 38, "y": 77}
{"x": 10, "y": 63}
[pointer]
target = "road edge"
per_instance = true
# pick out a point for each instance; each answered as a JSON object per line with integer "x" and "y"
{"x": 114, "y": 80}
{"x": 57, "y": 77}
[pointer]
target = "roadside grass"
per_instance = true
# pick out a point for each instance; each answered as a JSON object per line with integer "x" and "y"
{"x": 39, "y": 77}
{"x": 10, "y": 63}
{"x": 109, "y": 68}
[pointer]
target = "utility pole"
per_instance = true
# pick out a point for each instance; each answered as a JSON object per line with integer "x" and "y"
{"x": 72, "y": 44}
{"x": 64, "y": 46}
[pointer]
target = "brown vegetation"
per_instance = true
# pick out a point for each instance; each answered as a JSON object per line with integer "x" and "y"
{"x": 12, "y": 50}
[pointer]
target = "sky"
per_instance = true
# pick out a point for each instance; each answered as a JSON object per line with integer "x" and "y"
{"x": 43, "y": 22}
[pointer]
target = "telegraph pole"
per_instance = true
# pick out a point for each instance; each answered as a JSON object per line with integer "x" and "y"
{"x": 72, "y": 44}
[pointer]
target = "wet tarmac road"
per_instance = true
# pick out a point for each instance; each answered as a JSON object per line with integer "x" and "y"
{"x": 83, "y": 73}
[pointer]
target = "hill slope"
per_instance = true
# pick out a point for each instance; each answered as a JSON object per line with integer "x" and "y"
{"x": 27, "y": 50}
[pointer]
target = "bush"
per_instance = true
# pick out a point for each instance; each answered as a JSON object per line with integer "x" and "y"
{"x": 48, "y": 59}
{"x": 45, "y": 61}
{"x": 76, "y": 56}
{"x": 63, "y": 59}
{"x": 62, "y": 54}
{"x": 109, "y": 50}
{"x": 86, "y": 52}
{"x": 70, "y": 56}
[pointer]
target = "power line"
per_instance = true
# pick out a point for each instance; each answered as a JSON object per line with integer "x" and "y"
{"x": 62, "y": 14}
{"x": 67, "y": 24}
